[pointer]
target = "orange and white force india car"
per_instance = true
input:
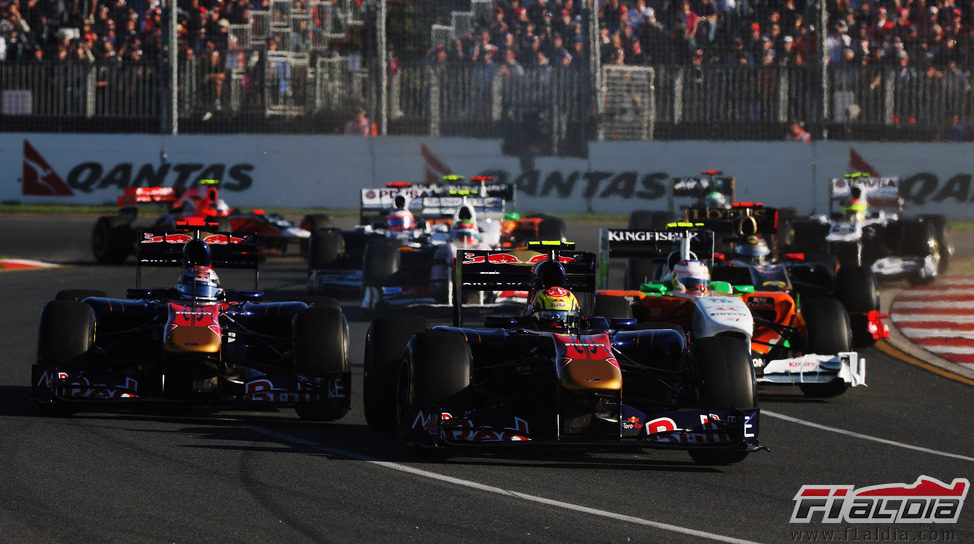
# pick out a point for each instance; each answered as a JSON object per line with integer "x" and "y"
{"x": 804, "y": 342}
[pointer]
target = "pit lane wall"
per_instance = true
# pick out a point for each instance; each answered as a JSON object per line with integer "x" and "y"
{"x": 327, "y": 171}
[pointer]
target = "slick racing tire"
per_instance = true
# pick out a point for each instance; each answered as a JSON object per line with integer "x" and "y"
{"x": 726, "y": 381}
{"x": 809, "y": 237}
{"x": 313, "y": 222}
{"x": 827, "y": 331}
{"x": 857, "y": 288}
{"x": 385, "y": 349}
{"x": 111, "y": 239}
{"x": 324, "y": 247}
{"x": 552, "y": 229}
{"x": 78, "y": 294}
{"x": 321, "y": 348}
{"x": 66, "y": 334}
{"x": 438, "y": 367}
{"x": 380, "y": 262}
{"x": 609, "y": 306}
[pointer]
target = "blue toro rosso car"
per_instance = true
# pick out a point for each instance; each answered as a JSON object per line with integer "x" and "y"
{"x": 195, "y": 342}
{"x": 553, "y": 376}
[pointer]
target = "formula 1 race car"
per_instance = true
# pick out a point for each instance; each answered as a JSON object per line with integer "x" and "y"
{"x": 402, "y": 252}
{"x": 196, "y": 342}
{"x": 113, "y": 238}
{"x": 870, "y": 231}
{"x": 747, "y": 237}
{"x": 552, "y": 377}
{"x": 807, "y": 343}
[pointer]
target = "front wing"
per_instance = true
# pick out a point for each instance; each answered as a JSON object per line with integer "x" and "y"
{"x": 675, "y": 429}
{"x": 813, "y": 368}
{"x": 58, "y": 385}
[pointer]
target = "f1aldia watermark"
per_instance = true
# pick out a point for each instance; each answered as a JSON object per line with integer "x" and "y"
{"x": 927, "y": 500}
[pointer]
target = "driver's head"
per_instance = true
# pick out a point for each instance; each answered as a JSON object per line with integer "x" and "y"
{"x": 692, "y": 276}
{"x": 555, "y": 308}
{"x": 753, "y": 249}
{"x": 400, "y": 220}
{"x": 465, "y": 233}
{"x": 715, "y": 199}
{"x": 199, "y": 282}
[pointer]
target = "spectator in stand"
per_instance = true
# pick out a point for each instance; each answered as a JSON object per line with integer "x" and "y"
{"x": 359, "y": 124}
{"x": 954, "y": 130}
{"x": 797, "y": 133}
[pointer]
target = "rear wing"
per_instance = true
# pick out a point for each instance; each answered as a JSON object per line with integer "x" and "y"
{"x": 133, "y": 196}
{"x": 382, "y": 200}
{"x": 880, "y": 192}
{"x": 513, "y": 270}
{"x": 680, "y": 238}
{"x": 742, "y": 218}
{"x": 697, "y": 187}
{"x": 161, "y": 247}
{"x": 438, "y": 207}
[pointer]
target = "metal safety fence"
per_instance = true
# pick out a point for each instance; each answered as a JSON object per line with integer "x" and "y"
{"x": 549, "y": 110}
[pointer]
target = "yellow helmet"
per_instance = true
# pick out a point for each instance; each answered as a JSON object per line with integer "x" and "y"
{"x": 555, "y": 308}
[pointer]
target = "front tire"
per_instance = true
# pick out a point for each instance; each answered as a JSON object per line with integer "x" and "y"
{"x": 827, "y": 331}
{"x": 385, "y": 349}
{"x": 725, "y": 381}
{"x": 321, "y": 349}
{"x": 111, "y": 239}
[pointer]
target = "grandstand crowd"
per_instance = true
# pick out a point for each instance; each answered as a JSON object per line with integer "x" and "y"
{"x": 529, "y": 33}
{"x": 114, "y": 29}
{"x": 918, "y": 33}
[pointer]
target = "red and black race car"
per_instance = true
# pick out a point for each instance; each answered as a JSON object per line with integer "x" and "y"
{"x": 195, "y": 342}
{"x": 113, "y": 237}
{"x": 588, "y": 382}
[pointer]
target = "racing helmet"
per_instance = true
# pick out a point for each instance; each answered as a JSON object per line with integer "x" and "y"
{"x": 691, "y": 276}
{"x": 199, "y": 282}
{"x": 855, "y": 210}
{"x": 715, "y": 199}
{"x": 753, "y": 249}
{"x": 555, "y": 308}
{"x": 400, "y": 220}
{"x": 465, "y": 233}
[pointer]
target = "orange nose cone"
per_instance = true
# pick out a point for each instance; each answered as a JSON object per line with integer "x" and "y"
{"x": 588, "y": 374}
{"x": 192, "y": 340}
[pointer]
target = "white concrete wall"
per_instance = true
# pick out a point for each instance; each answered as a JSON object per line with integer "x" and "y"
{"x": 617, "y": 177}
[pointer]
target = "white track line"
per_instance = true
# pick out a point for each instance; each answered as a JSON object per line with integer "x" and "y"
{"x": 505, "y": 492}
{"x": 949, "y": 318}
{"x": 922, "y": 332}
{"x": 863, "y": 436}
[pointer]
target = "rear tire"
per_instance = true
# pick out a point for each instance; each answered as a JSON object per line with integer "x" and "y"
{"x": 321, "y": 348}
{"x": 380, "y": 262}
{"x": 112, "y": 239}
{"x": 726, "y": 381}
{"x": 385, "y": 349}
{"x": 324, "y": 247}
{"x": 827, "y": 331}
{"x": 552, "y": 229}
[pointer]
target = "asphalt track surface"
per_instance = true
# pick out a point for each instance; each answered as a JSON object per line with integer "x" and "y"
{"x": 191, "y": 476}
